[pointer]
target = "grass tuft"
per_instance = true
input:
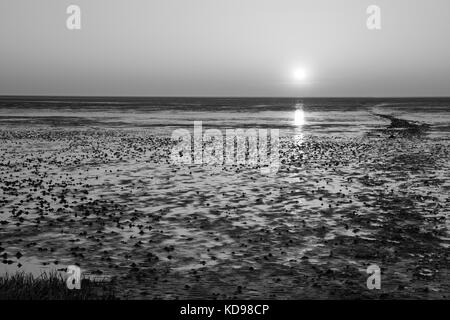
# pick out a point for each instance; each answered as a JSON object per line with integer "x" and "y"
{"x": 51, "y": 286}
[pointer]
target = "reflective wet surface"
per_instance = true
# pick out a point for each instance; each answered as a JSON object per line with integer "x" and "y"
{"x": 111, "y": 201}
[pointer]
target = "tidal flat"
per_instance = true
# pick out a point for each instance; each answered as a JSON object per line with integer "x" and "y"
{"x": 111, "y": 201}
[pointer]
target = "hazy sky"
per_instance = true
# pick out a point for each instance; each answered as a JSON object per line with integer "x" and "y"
{"x": 225, "y": 48}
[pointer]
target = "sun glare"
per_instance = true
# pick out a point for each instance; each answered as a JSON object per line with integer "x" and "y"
{"x": 299, "y": 74}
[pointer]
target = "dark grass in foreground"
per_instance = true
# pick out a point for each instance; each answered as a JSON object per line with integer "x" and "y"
{"x": 50, "y": 286}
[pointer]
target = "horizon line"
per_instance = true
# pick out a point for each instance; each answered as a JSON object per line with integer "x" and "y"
{"x": 219, "y": 97}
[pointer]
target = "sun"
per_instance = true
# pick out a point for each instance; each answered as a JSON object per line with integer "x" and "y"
{"x": 299, "y": 74}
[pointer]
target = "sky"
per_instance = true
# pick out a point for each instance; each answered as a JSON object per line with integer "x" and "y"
{"x": 225, "y": 48}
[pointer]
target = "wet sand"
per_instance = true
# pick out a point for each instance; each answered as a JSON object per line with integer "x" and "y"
{"x": 111, "y": 201}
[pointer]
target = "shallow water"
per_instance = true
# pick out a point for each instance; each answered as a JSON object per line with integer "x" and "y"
{"x": 339, "y": 117}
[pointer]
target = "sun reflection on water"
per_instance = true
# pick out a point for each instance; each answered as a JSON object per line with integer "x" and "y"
{"x": 299, "y": 117}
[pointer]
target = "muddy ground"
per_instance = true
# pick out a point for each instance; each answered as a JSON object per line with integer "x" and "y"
{"x": 111, "y": 201}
